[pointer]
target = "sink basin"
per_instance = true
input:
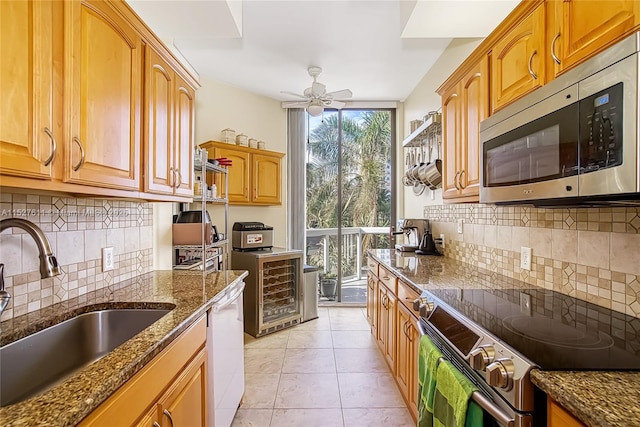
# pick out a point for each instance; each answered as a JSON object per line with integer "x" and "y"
{"x": 37, "y": 362}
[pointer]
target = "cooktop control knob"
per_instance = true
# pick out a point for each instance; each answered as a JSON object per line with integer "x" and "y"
{"x": 500, "y": 374}
{"x": 482, "y": 356}
{"x": 426, "y": 309}
{"x": 418, "y": 302}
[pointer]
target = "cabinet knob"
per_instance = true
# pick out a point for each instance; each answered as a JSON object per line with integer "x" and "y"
{"x": 455, "y": 181}
{"x": 500, "y": 374}
{"x": 168, "y": 414}
{"x": 81, "y": 162}
{"x": 54, "y": 147}
{"x": 533, "y": 74}
{"x": 553, "y": 49}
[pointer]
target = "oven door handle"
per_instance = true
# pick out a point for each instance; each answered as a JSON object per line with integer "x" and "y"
{"x": 482, "y": 401}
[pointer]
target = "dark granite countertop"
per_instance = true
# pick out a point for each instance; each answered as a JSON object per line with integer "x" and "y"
{"x": 190, "y": 293}
{"x": 597, "y": 398}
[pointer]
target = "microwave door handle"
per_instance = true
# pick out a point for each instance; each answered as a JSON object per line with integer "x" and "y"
{"x": 482, "y": 401}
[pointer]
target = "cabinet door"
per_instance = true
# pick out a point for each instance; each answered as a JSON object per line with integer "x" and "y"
{"x": 390, "y": 345}
{"x": 450, "y": 135}
{"x": 383, "y": 319}
{"x": 371, "y": 300}
{"x": 185, "y": 404}
{"x": 586, "y": 27}
{"x": 238, "y": 176}
{"x": 26, "y": 88}
{"x": 160, "y": 176}
{"x": 265, "y": 179}
{"x": 414, "y": 340}
{"x": 557, "y": 416}
{"x": 517, "y": 61}
{"x": 474, "y": 88}
{"x": 102, "y": 96}
{"x": 185, "y": 103}
{"x": 403, "y": 358}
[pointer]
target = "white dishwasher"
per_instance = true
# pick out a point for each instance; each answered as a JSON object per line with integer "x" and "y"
{"x": 225, "y": 349}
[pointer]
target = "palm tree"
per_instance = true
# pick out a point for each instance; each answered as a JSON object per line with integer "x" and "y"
{"x": 365, "y": 185}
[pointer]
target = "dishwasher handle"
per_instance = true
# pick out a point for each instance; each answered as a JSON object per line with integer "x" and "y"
{"x": 229, "y": 299}
{"x": 486, "y": 404}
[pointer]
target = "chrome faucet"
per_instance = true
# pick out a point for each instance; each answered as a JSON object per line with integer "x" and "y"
{"x": 48, "y": 263}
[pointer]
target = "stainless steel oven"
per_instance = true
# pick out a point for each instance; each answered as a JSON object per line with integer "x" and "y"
{"x": 573, "y": 141}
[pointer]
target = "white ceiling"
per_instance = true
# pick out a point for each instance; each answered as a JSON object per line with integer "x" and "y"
{"x": 376, "y": 48}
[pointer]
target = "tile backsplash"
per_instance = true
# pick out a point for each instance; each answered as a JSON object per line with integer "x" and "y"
{"x": 592, "y": 254}
{"x": 77, "y": 230}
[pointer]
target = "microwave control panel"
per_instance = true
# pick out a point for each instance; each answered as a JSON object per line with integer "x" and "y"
{"x": 601, "y": 130}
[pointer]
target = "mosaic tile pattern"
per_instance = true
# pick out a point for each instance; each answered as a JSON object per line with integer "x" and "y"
{"x": 617, "y": 220}
{"x": 66, "y": 220}
{"x": 606, "y": 288}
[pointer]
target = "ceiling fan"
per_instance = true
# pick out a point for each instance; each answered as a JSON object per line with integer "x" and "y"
{"x": 316, "y": 98}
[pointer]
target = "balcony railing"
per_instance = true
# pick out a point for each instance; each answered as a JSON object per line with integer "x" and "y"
{"x": 322, "y": 248}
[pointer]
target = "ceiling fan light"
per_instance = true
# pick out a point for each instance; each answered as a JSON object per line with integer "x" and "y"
{"x": 315, "y": 108}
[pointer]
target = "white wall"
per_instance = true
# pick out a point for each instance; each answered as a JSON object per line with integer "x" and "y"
{"x": 220, "y": 106}
{"x": 422, "y": 100}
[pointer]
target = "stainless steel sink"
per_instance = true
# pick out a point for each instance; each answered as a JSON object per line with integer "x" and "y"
{"x": 35, "y": 363}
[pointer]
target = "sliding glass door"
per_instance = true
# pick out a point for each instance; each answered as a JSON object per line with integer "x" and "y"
{"x": 348, "y": 197}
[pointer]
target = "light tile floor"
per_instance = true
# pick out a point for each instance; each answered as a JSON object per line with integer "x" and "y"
{"x": 327, "y": 372}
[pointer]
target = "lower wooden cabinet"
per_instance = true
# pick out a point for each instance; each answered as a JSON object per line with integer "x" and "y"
{"x": 394, "y": 325}
{"x": 557, "y": 416}
{"x": 372, "y": 290}
{"x": 169, "y": 391}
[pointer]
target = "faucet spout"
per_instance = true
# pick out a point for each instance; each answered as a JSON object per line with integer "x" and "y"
{"x": 48, "y": 263}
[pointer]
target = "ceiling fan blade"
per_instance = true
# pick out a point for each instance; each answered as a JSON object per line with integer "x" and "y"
{"x": 336, "y": 104}
{"x": 340, "y": 94}
{"x": 295, "y": 104}
{"x": 293, "y": 94}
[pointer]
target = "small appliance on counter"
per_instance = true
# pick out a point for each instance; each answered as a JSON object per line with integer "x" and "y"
{"x": 251, "y": 236}
{"x": 412, "y": 230}
{"x": 428, "y": 244}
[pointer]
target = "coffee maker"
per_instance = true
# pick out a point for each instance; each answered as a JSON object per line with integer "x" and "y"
{"x": 412, "y": 230}
{"x": 428, "y": 244}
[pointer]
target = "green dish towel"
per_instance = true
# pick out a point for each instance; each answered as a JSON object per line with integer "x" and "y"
{"x": 451, "y": 406}
{"x": 428, "y": 355}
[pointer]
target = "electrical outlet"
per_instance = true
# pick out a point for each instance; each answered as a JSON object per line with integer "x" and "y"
{"x": 107, "y": 258}
{"x": 525, "y": 258}
{"x": 460, "y": 226}
{"x": 442, "y": 239}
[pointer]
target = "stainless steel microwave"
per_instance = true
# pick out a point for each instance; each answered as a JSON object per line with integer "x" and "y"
{"x": 572, "y": 142}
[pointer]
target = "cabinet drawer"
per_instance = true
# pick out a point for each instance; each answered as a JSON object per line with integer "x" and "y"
{"x": 373, "y": 266}
{"x": 388, "y": 279}
{"x": 406, "y": 295}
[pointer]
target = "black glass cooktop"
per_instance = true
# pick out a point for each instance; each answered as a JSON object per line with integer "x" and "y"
{"x": 555, "y": 331}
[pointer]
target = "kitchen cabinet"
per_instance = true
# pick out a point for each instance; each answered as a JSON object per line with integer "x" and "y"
{"x": 407, "y": 359}
{"x": 27, "y": 143}
{"x": 254, "y": 176}
{"x": 557, "y": 416}
{"x": 518, "y": 60}
{"x": 464, "y": 106}
{"x": 169, "y": 390}
{"x": 372, "y": 290}
{"x": 583, "y": 28}
{"x": 103, "y": 80}
{"x": 386, "y": 324}
{"x": 169, "y": 107}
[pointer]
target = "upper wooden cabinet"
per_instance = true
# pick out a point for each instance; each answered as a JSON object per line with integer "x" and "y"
{"x": 254, "y": 176}
{"x": 583, "y": 28}
{"x": 169, "y": 106}
{"x": 517, "y": 61}
{"x": 464, "y": 106}
{"x": 102, "y": 96}
{"x": 27, "y": 144}
{"x": 71, "y": 103}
